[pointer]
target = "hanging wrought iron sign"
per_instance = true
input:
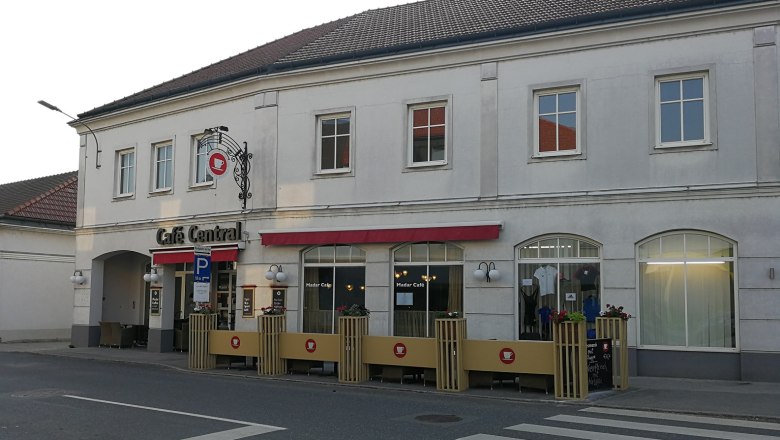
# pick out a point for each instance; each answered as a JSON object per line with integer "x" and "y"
{"x": 221, "y": 148}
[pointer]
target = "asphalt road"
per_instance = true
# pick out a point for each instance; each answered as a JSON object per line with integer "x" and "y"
{"x": 49, "y": 397}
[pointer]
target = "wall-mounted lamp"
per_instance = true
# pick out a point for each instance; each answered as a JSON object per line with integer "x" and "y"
{"x": 152, "y": 276}
{"x": 275, "y": 273}
{"x": 489, "y": 273}
{"x": 77, "y": 277}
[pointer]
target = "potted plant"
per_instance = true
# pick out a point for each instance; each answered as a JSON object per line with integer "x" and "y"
{"x": 615, "y": 312}
{"x": 273, "y": 310}
{"x": 449, "y": 314}
{"x": 203, "y": 308}
{"x": 353, "y": 310}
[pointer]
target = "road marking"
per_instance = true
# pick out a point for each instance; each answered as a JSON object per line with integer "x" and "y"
{"x": 684, "y": 418}
{"x": 232, "y": 434}
{"x": 487, "y": 437}
{"x": 573, "y": 433}
{"x": 695, "y": 432}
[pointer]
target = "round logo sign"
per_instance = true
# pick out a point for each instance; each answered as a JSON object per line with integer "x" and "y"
{"x": 218, "y": 162}
{"x": 399, "y": 350}
{"x": 311, "y": 345}
{"x": 506, "y": 355}
{"x": 235, "y": 342}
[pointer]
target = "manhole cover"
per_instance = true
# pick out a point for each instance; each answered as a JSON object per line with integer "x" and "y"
{"x": 438, "y": 418}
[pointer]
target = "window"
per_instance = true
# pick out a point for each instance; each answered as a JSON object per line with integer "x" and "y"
{"x": 687, "y": 291}
{"x": 556, "y": 122}
{"x": 333, "y": 276}
{"x": 201, "y": 176}
{"x": 558, "y": 272}
{"x": 428, "y": 280}
{"x": 163, "y": 166}
{"x": 428, "y": 134}
{"x": 125, "y": 173}
{"x": 682, "y": 110}
{"x": 335, "y": 141}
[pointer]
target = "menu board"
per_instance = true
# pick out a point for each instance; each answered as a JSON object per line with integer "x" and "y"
{"x": 154, "y": 302}
{"x": 599, "y": 364}
{"x": 277, "y": 298}
{"x": 248, "y": 306}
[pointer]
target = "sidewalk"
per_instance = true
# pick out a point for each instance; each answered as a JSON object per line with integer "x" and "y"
{"x": 722, "y": 398}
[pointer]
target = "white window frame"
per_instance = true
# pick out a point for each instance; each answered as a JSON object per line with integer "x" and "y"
{"x": 208, "y": 179}
{"x": 706, "y": 109}
{"x": 410, "y": 133}
{"x": 167, "y": 163}
{"x": 123, "y": 170}
{"x": 578, "y": 121}
{"x": 335, "y": 116}
{"x": 685, "y": 260}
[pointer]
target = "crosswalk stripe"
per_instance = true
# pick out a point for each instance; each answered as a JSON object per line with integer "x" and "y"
{"x": 573, "y": 433}
{"x": 486, "y": 437}
{"x": 684, "y": 418}
{"x": 695, "y": 432}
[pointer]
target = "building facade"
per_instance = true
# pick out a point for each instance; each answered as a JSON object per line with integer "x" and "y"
{"x": 623, "y": 155}
{"x": 37, "y": 252}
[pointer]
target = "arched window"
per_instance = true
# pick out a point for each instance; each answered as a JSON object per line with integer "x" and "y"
{"x": 333, "y": 276}
{"x": 428, "y": 280}
{"x": 687, "y": 291}
{"x": 557, "y": 272}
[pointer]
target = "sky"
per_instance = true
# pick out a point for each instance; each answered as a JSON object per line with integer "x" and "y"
{"x": 81, "y": 54}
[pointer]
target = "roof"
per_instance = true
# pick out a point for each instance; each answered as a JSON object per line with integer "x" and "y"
{"x": 411, "y": 27}
{"x": 48, "y": 200}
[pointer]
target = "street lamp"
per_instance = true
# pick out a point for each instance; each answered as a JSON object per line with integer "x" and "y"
{"x": 97, "y": 146}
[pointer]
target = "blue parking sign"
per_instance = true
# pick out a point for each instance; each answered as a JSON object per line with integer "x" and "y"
{"x": 202, "y": 274}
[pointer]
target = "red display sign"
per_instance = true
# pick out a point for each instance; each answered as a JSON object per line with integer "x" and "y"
{"x": 399, "y": 350}
{"x": 235, "y": 342}
{"x": 506, "y": 355}
{"x": 218, "y": 163}
{"x": 311, "y": 345}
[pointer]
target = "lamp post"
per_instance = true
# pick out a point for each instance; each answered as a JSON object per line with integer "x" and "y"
{"x": 97, "y": 146}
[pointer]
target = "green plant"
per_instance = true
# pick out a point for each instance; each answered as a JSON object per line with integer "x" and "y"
{"x": 353, "y": 310}
{"x": 615, "y": 312}
{"x": 449, "y": 314}
{"x": 273, "y": 310}
{"x": 563, "y": 315}
{"x": 203, "y": 308}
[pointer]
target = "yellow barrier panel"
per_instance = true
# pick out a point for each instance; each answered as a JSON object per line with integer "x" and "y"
{"x": 200, "y": 326}
{"x": 617, "y": 330}
{"x": 310, "y": 346}
{"x": 450, "y": 374}
{"x": 528, "y": 357}
{"x": 232, "y": 343}
{"x": 399, "y": 351}
{"x": 351, "y": 366}
{"x": 270, "y": 328}
{"x": 571, "y": 377}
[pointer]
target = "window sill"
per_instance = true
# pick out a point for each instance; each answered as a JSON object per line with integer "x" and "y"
{"x": 123, "y": 197}
{"x": 683, "y": 147}
{"x": 201, "y": 186}
{"x": 161, "y": 192}
{"x": 556, "y": 157}
{"x": 428, "y": 166}
{"x": 329, "y": 174}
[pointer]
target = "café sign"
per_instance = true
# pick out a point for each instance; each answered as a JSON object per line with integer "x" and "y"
{"x": 198, "y": 234}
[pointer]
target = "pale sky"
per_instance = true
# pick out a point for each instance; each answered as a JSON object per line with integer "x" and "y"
{"x": 81, "y": 54}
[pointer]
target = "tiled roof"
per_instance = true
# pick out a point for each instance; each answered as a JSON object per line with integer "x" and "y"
{"x": 50, "y": 199}
{"x": 411, "y": 27}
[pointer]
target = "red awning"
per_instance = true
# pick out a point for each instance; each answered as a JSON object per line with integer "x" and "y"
{"x": 389, "y": 235}
{"x": 187, "y": 255}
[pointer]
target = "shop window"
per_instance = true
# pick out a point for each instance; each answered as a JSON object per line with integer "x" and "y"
{"x": 687, "y": 292}
{"x": 428, "y": 134}
{"x": 163, "y": 166}
{"x": 556, "y": 124}
{"x": 557, "y": 272}
{"x": 681, "y": 110}
{"x": 125, "y": 173}
{"x": 427, "y": 280}
{"x": 334, "y": 138}
{"x": 333, "y": 276}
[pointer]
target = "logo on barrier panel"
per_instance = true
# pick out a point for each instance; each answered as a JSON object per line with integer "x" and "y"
{"x": 311, "y": 345}
{"x": 506, "y": 355}
{"x": 399, "y": 350}
{"x": 235, "y": 342}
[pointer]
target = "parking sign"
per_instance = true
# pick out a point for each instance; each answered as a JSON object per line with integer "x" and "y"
{"x": 202, "y": 274}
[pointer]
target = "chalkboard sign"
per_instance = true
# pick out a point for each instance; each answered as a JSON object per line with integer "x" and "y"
{"x": 154, "y": 302}
{"x": 599, "y": 364}
{"x": 277, "y": 299}
{"x": 248, "y": 308}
